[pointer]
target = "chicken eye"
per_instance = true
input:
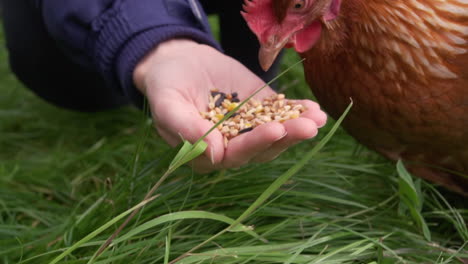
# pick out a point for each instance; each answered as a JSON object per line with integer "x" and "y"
{"x": 298, "y": 4}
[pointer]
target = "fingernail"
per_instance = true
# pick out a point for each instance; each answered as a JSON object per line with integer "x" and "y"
{"x": 285, "y": 134}
{"x": 212, "y": 156}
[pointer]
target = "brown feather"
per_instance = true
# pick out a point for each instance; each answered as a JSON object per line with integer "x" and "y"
{"x": 406, "y": 69}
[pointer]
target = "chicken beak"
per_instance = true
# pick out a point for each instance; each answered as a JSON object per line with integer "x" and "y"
{"x": 269, "y": 51}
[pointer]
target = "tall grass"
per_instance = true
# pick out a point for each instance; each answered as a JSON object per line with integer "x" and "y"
{"x": 63, "y": 175}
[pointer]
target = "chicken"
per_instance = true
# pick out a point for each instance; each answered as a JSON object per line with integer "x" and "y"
{"x": 404, "y": 63}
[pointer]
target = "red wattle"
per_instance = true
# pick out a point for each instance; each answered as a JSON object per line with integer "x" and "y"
{"x": 306, "y": 38}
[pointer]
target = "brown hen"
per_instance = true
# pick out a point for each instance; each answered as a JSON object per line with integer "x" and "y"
{"x": 404, "y": 63}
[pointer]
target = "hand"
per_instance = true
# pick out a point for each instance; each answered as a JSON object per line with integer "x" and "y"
{"x": 177, "y": 77}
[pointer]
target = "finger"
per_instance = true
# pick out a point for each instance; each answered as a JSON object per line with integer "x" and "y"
{"x": 243, "y": 148}
{"x": 298, "y": 129}
{"x": 203, "y": 164}
{"x": 182, "y": 119}
{"x": 313, "y": 112}
{"x": 171, "y": 139}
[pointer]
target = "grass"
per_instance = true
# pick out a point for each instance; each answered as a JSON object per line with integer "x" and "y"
{"x": 64, "y": 174}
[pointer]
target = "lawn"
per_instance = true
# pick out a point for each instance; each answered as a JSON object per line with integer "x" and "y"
{"x": 64, "y": 174}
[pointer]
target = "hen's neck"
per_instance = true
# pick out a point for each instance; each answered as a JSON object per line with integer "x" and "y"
{"x": 400, "y": 37}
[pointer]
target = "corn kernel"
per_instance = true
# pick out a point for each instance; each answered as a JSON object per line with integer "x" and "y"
{"x": 232, "y": 106}
{"x": 219, "y": 116}
{"x": 258, "y": 109}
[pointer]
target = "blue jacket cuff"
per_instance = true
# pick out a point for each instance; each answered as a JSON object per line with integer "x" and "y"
{"x": 125, "y": 34}
{"x": 144, "y": 42}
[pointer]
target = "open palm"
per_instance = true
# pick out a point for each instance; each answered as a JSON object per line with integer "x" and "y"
{"x": 177, "y": 78}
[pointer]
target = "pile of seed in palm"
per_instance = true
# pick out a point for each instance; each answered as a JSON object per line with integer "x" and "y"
{"x": 252, "y": 114}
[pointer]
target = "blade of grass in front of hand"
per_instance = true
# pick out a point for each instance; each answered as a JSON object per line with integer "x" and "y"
{"x": 187, "y": 153}
{"x": 230, "y": 113}
{"x": 99, "y": 230}
{"x": 276, "y": 184}
{"x": 186, "y": 146}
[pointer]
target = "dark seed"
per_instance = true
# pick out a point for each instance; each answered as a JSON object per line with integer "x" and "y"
{"x": 220, "y": 100}
{"x": 213, "y": 93}
{"x": 246, "y": 130}
{"x": 234, "y": 95}
{"x": 235, "y": 100}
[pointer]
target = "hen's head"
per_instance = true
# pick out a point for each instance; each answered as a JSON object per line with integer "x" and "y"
{"x": 287, "y": 23}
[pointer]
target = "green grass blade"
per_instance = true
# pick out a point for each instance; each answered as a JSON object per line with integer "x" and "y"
{"x": 407, "y": 187}
{"x": 187, "y": 153}
{"x": 304, "y": 246}
{"x": 411, "y": 198}
{"x": 186, "y": 146}
{"x": 185, "y": 215}
{"x": 329, "y": 199}
{"x": 167, "y": 251}
{"x": 336, "y": 251}
{"x": 99, "y": 230}
{"x": 90, "y": 209}
{"x": 236, "y": 251}
{"x": 277, "y": 183}
{"x": 360, "y": 250}
{"x": 294, "y": 169}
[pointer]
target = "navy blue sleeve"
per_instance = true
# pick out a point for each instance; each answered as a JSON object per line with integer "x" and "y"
{"x": 111, "y": 36}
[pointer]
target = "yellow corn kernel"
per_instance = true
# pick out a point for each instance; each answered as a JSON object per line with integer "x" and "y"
{"x": 219, "y": 116}
{"x": 232, "y": 106}
{"x": 246, "y": 125}
{"x": 293, "y": 116}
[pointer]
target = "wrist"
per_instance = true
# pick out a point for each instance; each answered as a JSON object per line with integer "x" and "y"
{"x": 162, "y": 51}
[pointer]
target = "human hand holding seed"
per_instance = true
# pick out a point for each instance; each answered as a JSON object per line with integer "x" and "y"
{"x": 177, "y": 77}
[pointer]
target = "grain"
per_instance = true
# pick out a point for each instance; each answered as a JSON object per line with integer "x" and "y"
{"x": 251, "y": 114}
